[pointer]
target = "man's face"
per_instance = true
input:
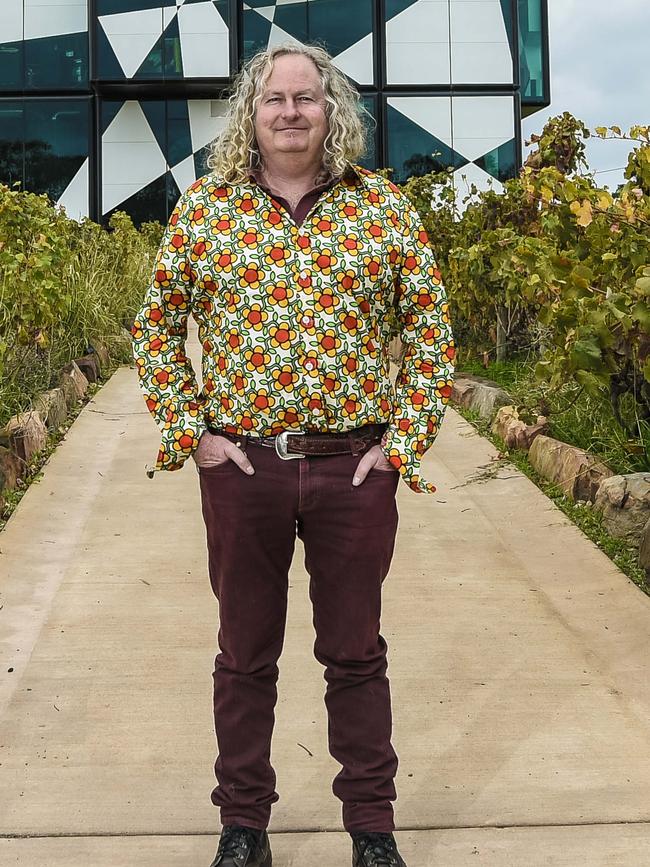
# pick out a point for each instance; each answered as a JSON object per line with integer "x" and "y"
{"x": 291, "y": 115}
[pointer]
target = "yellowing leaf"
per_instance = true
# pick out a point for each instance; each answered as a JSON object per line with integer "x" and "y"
{"x": 583, "y": 212}
{"x": 604, "y": 200}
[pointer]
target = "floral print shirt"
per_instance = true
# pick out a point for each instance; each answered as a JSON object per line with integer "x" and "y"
{"x": 295, "y": 321}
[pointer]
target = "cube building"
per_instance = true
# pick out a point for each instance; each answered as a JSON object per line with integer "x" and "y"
{"x": 110, "y": 104}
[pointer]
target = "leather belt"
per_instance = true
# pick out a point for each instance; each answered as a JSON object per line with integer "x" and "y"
{"x": 302, "y": 444}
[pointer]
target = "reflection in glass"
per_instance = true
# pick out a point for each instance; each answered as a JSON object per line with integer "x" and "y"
{"x": 43, "y": 143}
{"x": 531, "y": 51}
{"x": 501, "y": 163}
{"x": 57, "y": 62}
{"x": 11, "y": 66}
{"x": 12, "y": 136}
{"x": 412, "y": 151}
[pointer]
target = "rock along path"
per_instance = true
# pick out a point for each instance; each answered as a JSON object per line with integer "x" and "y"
{"x": 518, "y": 660}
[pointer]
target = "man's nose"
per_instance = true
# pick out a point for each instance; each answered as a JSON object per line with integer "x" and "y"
{"x": 290, "y": 108}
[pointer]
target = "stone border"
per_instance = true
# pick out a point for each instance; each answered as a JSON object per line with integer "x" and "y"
{"x": 26, "y": 434}
{"x": 623, "y": 501}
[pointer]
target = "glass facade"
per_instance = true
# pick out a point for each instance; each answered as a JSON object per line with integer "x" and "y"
{"x": 44, "y": 142}
{"x": 49, "y": 64}
{"x": 112, "y": 104}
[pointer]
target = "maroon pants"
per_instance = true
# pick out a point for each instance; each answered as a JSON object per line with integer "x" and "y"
{"x": 348, "y": 535}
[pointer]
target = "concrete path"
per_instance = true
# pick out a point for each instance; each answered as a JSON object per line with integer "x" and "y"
{"x": 519, "y": 668}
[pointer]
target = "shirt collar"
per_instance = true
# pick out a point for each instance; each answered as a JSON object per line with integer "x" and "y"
{"x": 351, "y": 174}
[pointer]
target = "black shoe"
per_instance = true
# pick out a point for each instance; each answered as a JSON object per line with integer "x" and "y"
{"x": 242, "y": 847}
{"x": 375, "y": 850}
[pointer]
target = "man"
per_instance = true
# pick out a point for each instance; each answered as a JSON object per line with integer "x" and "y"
{"x": 298, "y": 266}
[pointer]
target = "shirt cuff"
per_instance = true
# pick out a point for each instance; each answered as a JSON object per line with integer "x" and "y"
{"x": 405, "y": 455}
{"x": 178, "y": 443}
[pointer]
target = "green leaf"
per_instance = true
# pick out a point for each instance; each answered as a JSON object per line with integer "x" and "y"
{"x": 586, "y": 355}
{"x": 641, "y": 311}
{"x": 591, "y": 382}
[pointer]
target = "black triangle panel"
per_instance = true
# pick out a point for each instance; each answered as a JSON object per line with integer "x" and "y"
{"x": 256, "y": 32}
{"x": 294, "y": 19}
{"x": 338, "y": 24}
{"x": 108, "y": 112}
{"x": 223, "y": 8}
{"x": 107, "y": 63}
{"x": 501, "y": 162}
{"x": 179, "y": 138}
{"x": 156, "y": 114}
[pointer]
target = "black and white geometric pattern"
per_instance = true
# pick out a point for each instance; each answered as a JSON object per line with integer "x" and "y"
{"x": 154, "y": 148}
{"x": 199, "y": 25}
{"x": 141, "y": 145}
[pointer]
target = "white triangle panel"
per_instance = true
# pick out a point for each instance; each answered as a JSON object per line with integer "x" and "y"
{"x": 131, "y": 156}
{"x": 75, "y": 196}
{"x": 203, "y": 127}
{"x": 204, "y": 41}
{"x": 267, "y": 12}
{"x": 356, "y": 61}
{"x": 132, "y": 35}
{"x": 432, "y": 113}
{"x": 184, "y": 173}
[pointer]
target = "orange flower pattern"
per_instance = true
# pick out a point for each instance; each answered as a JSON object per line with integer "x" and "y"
{"x": 295, "y": 321}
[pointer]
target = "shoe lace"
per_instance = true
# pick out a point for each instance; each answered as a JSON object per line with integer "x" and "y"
{"x": 233, "y": 838}
{"x": 378, "y": 850}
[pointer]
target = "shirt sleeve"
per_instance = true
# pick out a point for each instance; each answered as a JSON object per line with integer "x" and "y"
{"x": 424, "y": 382}
{"x": 159, "y": 333}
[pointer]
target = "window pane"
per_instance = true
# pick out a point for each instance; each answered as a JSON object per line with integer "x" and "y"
{"x": 12, "y": 118}
{"x": 414, "y": 150}
{"x": 57, "y": 61}
{"x": 56, "y": 143}
{"x": 369, "y": 159}
{"x": 531, "y": 51}
{"x": 11, "y": 66}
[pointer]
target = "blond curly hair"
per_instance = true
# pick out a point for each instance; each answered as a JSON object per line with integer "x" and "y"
{"x": 235, "y": 151}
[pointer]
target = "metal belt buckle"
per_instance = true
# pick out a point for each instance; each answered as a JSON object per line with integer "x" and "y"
{"x": 281, "y": 445}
